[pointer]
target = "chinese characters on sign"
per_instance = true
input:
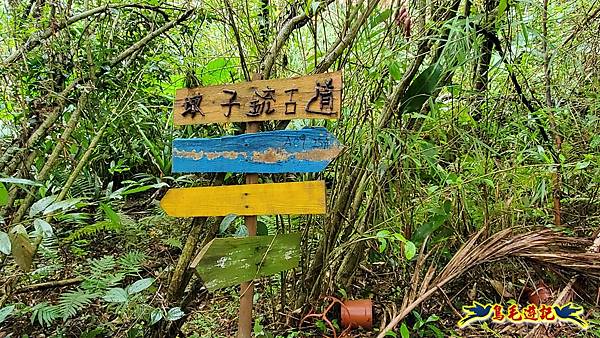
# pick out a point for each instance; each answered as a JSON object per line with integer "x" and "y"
{"x": 192, "y": 106}
{"x": 477, "y": 312}
{"x": 310, "y": 97}
{"x": 324, "y": 94}
{"x": 261, "y": 104}
{"x": 290, "y": 106}
{"x": 232, "y": 101}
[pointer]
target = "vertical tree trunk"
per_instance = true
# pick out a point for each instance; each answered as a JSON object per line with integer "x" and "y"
{"x": 481, "y": 78}
{"x": 556, "y": 176}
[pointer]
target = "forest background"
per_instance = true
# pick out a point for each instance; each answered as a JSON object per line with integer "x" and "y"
{"x": 471, "y": 168}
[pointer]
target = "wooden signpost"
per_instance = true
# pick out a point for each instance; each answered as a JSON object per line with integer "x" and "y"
{"x": 229, "y": 261}
{"x": 225, "y": 262}
{"x": 282, "y": 151}
{"x": 309, "y": 97}
{"x": 293, "y": 198}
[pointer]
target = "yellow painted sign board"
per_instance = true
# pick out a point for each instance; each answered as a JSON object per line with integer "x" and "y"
{"x": 293, "y": 198}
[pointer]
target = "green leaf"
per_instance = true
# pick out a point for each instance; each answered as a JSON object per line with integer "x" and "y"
{"x": 3, "y": 195}
{"x": 432, "y": 318}
{"x": 384, "y": 15}
{"x": 404, "y": 331}
{"x": 173, "y": 242}
{"x": 438, "y": 333}
{"x": 217, "y": 71}
{"x": 23, "y": 181}
{"x": 155, "y": 316}
{"x": 140, "y": 285}
{"x": 321, "y": 325}
{"x": 226, "y": 222}
{"x": 394, "y": 69}
{"x": 595, "y": 142}
{"x": 432, "y": 224}
{"x": 502, "y": 6}
{"x": 420, "y": 89}
{"x": 62, "y": 205}
{"x": 111, "y": 214}
{"x": 5, "y": 312}
{"x": 383, "y": 234}
{"x": 41, "y": 205}
{"x": 410, "y": 250}
{"x": 259, "y": 329}
{"x": 44, "y": 313}
{"x": 582, "y": 165}
{"x": 314, "y": 6}
{"x": 74, "y": 301}
{"x": 382, "y": 245}
{"x": 93, "y": 333}
{"x": 4, "y": 243}
{"x": 399, "y": 237}
{"x": 174, "y": 314}
{"x": 116, "y": 295}
{"x": 21, "y": 248}
{"x": 44, "y": 228}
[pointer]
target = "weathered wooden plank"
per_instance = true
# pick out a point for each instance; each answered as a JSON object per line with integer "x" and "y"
{"x": 225, "y": 262}
{"x": 316, "y": 96}
{"x": 282, "y": 151}
{"x": 294, "y": 198}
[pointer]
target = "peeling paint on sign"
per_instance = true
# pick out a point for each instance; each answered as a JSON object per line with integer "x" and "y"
{"x": 283, "y": 151}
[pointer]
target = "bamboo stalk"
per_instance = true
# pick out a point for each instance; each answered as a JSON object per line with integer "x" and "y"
{"x": 557, "y": 176}
{"x": 175, "y": 285}
{"x": 82, "y": 162}
{"x": 49, "y": 165}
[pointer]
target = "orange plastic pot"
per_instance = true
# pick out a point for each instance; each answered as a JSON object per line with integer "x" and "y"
{"x": 357, "y": 313}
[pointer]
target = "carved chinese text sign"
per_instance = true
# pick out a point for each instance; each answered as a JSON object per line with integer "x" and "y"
{"x": 309, "y": 97}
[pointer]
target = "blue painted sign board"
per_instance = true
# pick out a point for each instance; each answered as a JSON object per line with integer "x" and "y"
{"x": 283, "y": 151}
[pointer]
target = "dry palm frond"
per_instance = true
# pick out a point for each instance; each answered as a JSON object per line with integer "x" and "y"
{"x": 563, "y": 296}
{"x": 543, "y": 246}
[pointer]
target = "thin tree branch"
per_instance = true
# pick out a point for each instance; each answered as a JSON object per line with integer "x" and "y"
{"x": 151, "y": 36}
{"x": 48, "y": 285}
{"x": 344, "y": 42}
{"x": 36, "y": 38}
{"x": 284, "y": 34}
{"x": 49, "y": 165}
{"x": 238, "y": 40}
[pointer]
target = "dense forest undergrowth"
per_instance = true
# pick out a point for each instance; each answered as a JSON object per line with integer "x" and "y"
{"x": 470, "y": 172}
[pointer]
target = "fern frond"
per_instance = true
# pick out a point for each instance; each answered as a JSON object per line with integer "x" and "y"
{"x": 84, "y": 185}
{"x": 73, "y": 301}
{"x": 92, "y": 229}
{"x": 102, "y": 265}
{"x": 102, "y": 274}
{"x": 45, "y": 314}
{"x": 96, "y": 284}
{"x": 131, "y": 262}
